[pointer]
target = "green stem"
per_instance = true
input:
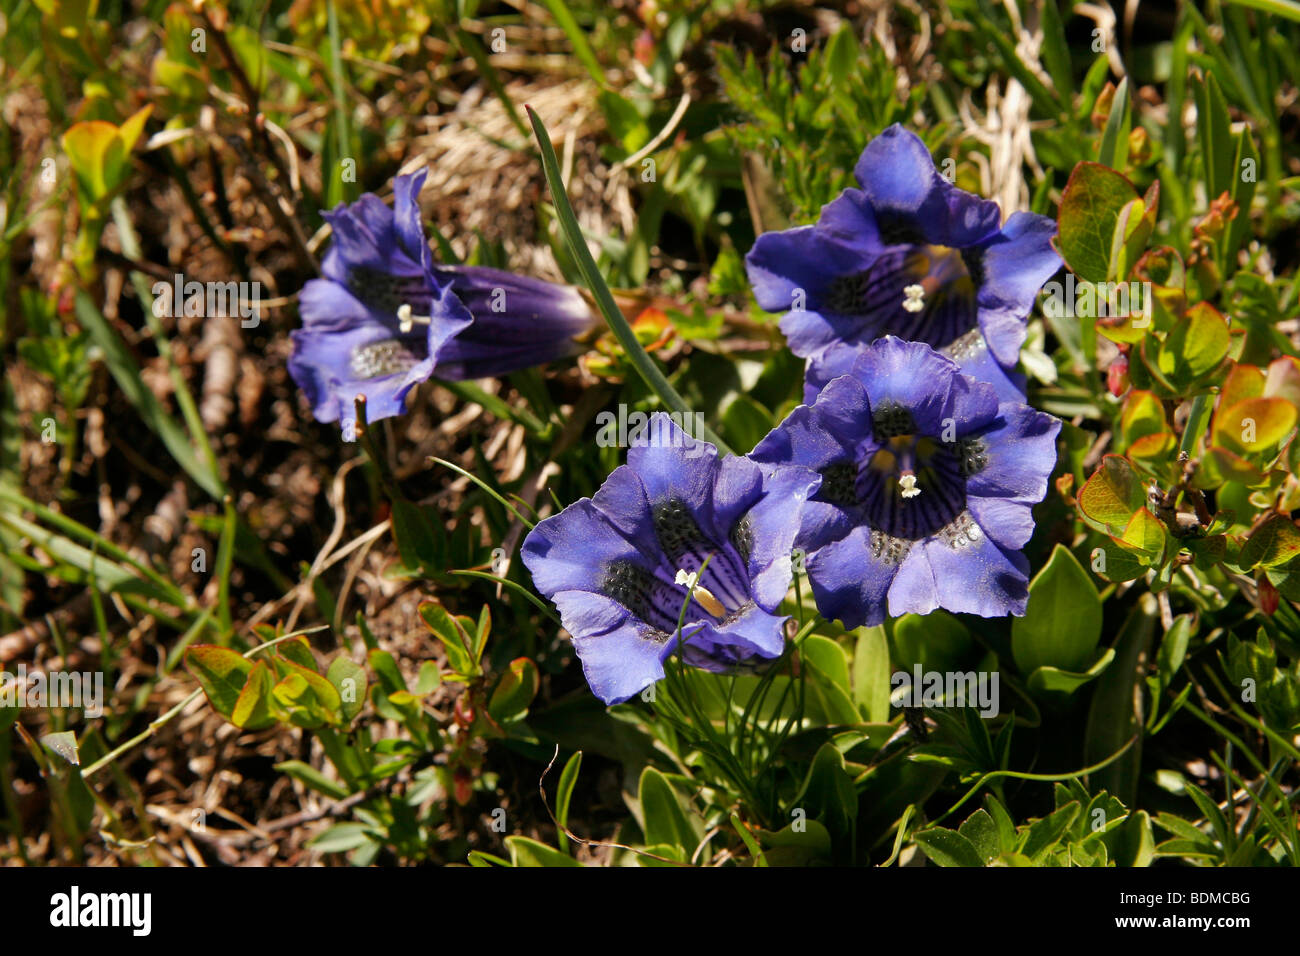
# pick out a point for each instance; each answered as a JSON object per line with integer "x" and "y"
{"x": 1041, "y": 777}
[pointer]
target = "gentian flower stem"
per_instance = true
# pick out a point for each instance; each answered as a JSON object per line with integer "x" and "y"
{"x": 372, "y": 451}
{"x": 698, "y": 723}
{"x": 650, "y": 372}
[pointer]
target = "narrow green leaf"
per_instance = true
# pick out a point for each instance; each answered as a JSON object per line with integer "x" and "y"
{"x": 1114, "y": 138}
{"x": 577, "y": 39}
{"x": 871, "y": 671}
{"x": 127, "y": 375}
{"x": 1217, "y": 144}
{"x": 1056, "y": 51}
{"x": 644, "y": 365}
{"x": 342, "y": 837}
{"x": 528, "y": 852}
{"x": 1115, "y": 715}
{"x": 564, "y": 792}
{"x": 63, "y": 744}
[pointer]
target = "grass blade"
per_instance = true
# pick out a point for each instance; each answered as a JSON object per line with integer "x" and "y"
{"x": 650, "y": 372}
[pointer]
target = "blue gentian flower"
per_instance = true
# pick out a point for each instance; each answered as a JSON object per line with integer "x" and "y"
{"x": 518, "y": 322}
{"x": 618, "y": 565}
{"x": 928, "y": 483}
{"x": 385, "y": 317}
{"x": 911, "y": 255}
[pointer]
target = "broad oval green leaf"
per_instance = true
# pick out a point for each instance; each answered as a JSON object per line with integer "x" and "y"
{"x": 252, "y": 709}
{"x": 1272, "y": 544}
{"x": 947, "y": 847}
{"x": 1062, "y": 623}
{"x": 664, "y": 819}
{"x": 349, "y": 679}
{"x": 1109, "y": 498}
{"x": 1090, "y": 208}
{"x": 1195, "y": 346}
{"x": 221, "y": 672}
{"x": 1053, "y": 680}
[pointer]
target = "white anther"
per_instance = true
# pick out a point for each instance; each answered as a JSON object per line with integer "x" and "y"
{"x": 406, "y": 319}
{"x": 914, "y": 298}
{"x": 907, "y": 483}
{"x": 701, "y": 594}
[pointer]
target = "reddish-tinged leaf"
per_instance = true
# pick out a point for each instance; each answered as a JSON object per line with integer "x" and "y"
{"x": 1090, "y": 207}
{"x": 1272, "y": 544}
{"x": 1110, "y": 497}
{"x": 221, "y": 672}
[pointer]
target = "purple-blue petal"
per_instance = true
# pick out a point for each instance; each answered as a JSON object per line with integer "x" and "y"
{"x": 849, "y": 580}
{"x": 898, "y": 175}
{"x": 324, "y": 304}
{"x": 408, "y": 225}
{"x": 1007, "y": 521}
{"x": 978, "y": 578}
{"x": 569, "y": 551}
{"x": 1021, "y": 449}
{"x": 976, "y": 360}
{"x": 912, "y": 375}
{"x": 621, "y": 656}
{"x": 808, "y": 259}
{"x": 753, "y": 633}
{"x": 772, "y": 526}
{"x": 519, "y": 322}
{"x": 816, "y": 435}
{"x": 1016, "y": 263}
{"x": 321, "y": 363}
{"x": 674, "y": 466}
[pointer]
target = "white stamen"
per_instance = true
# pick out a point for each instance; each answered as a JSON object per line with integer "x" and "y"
{"x": 406, "y": 319}
{"x": 701, "y": 594}
{"x": 913, "y": 298}
{"x": 907, "y": 484}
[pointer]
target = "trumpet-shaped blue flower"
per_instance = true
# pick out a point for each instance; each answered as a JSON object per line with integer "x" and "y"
{"x": 385, "y": 317}
{"x": 518, "y": 322}
{"x": 928, "y": 484}
{"x": 621, "y": 565}
{"x": 911, "y": 255}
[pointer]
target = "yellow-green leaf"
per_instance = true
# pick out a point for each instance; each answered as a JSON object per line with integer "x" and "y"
{"x": 1254, "y": 424}
{"x": 1109, "y": 498}
{"x": 252, "y": 709}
